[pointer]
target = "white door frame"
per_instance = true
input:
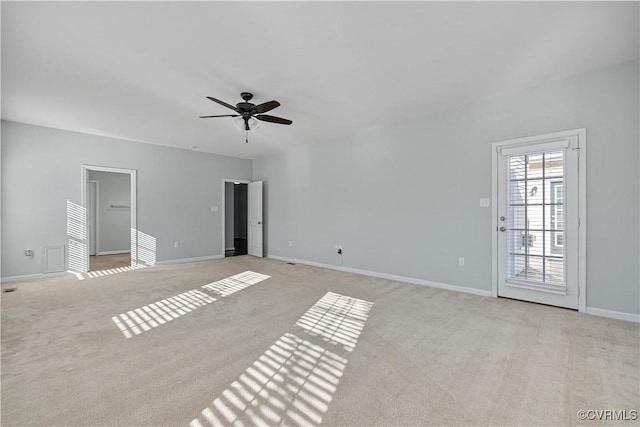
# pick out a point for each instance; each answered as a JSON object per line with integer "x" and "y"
{"x": 224, "y": 223}
{"x": 255, "y": 221}
{"x": 581, "y": 134}
{"x": 96, "y": 220}
{"x": 132, "y": 182}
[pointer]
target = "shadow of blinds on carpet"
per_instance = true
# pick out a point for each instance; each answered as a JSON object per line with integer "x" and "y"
{"x": 294, "y": 381}
{"x": 139, "y": 320}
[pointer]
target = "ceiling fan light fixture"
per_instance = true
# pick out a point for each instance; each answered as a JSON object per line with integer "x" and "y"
{"x": 253, "y": 124}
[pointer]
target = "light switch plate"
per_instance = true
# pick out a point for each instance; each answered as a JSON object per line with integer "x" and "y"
{"x": 484, "y": 202}
{"x": 214, "y": 209}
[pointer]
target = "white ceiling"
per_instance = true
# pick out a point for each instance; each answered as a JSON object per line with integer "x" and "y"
{"x": 141, "y": 70}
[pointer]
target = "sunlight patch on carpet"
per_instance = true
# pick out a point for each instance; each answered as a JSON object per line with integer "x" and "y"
{"x": 294, "y": 381}
{"x": 110, "y": 271}
{"x": 233, "y": 284}
{"x": 337, "y": 318}
{"x": 139, "y": 320}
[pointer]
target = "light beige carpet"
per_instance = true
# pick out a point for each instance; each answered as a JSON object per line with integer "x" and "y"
{"x": 304, "y": 346}
{"x": 105, "y": 262}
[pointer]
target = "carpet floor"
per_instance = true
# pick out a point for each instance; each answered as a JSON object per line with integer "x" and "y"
{"x": 248, "y": 341}
{"x": 106, "y": 262}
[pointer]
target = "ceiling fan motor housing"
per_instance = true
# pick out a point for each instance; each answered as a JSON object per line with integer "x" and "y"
{"x": 246, "y": 108}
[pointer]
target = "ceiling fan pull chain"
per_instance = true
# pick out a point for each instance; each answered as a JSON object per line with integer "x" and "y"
{"x": 246, "y": 136}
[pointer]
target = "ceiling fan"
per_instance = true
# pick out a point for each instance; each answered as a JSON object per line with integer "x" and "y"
{"x": 247, "y": 111}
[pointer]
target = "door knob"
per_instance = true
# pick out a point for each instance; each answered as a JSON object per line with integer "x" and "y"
{"x": 502, "y": 218}
{"x": 503, "y": 229}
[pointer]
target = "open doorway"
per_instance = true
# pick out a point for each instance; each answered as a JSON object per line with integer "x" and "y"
{"x": 109, "y": 200}
{"x": 235, "y": 218}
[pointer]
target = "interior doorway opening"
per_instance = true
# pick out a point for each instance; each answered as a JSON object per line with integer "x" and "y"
{"x": 109, "y": 203}
{"x": 236, "y": 218}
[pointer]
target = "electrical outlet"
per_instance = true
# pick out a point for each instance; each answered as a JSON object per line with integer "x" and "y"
{"x": 485, "y": 202}
{"x": 28, "y": 253}
{"x": 461, "y": 262}
{"x": 176, "y": 244}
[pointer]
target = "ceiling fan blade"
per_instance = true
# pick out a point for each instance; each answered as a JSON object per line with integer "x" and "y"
{"x": 267, "y": 106}
{"x": 223, "y": 103}
{"x": 273, "y": 119}
{"x": 224, "y": 115}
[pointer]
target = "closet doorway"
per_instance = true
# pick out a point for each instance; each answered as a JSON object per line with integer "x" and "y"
{"x": 109, "y": 203}
{"x": 235, "y": 218}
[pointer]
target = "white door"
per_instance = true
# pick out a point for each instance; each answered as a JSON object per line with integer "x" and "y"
{"x": 255, "y": 219}
{"x": 538, "y": 220}
{"x": 92, "y": 191}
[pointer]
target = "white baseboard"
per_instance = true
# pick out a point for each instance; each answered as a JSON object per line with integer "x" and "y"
{"x": 182, "y": 260}
{"x": 114, "y": 252}
{"x": 68, "y": 273}
{"x": 618, "y": 315}
{"x": 34, "y": 276}
{"x": 481, "y": 292}
{"x": 229, "y": 249}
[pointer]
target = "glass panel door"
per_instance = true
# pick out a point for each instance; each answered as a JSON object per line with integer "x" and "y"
{"x": 537, "y": 220}
{"x": 535, "y": 209}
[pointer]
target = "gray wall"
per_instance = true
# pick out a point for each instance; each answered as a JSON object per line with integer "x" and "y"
{"x": 114, "y": 227}
{"x": 428, "y": 174}
{"x": 41, "y": 171}
{"x": 229, "y": 207}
